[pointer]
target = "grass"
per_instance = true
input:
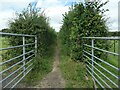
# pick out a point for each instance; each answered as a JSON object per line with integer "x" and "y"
{"x": 112, "y": 59}
{"x": 45, "y": 66}
{"x": 74, "y": 73}
{"x": 3, "y": 44}
{"x": 41, "y": 67}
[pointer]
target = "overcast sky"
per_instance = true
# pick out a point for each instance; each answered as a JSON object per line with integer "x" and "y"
{"x": 53, "y": 9}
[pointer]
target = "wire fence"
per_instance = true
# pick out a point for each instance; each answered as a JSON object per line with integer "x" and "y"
{"x": 11, "y": 78}
{"x": 104, "y": 69}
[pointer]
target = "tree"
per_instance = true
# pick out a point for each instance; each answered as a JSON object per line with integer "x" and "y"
{"x": 83, "y": 20}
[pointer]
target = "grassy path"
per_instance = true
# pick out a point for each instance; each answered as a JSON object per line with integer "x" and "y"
{"x": 75, "y": 73}
{"x": 64, "y": 73}
{"x": 54, "y": 78}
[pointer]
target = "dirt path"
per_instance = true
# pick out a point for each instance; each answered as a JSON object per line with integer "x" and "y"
{"x": 53, "y": 79}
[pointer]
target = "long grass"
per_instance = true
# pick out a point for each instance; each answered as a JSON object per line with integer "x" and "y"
{"x": 74, "y": 72}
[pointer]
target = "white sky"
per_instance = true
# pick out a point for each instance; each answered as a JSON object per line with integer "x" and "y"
{"x": 53, "y": 9}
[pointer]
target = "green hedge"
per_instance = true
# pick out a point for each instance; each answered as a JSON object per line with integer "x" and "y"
{"x": 32, "y": 24}
{"x": 83, "y": 20}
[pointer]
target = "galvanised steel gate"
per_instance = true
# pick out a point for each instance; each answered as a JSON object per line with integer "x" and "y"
{"x": 105, "y": 72}
{"x": 24, "y": 65}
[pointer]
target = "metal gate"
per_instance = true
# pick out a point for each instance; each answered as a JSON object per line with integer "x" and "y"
{"x": 24, "y": 66}
{"x": 103, "y": 71}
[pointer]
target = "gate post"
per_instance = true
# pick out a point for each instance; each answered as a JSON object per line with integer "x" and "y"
{"x": 92, "y": 56}
{"x": 24, "y": 55}
{"x": 119, "y": 42}
{"x": 1, "y": 61}
{"x": 119, "y": 63}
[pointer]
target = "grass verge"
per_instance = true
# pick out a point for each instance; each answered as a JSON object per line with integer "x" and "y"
{"x": 41, "y": 67}
{"x": 45, "y": 66}
{"x": 74, "y": 73}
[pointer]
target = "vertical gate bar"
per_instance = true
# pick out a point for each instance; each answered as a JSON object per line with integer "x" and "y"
{"x": 92, "y": 55}
{"x": 35, "y": 45}
{"x": 24, "y": 54}
{"x": 1, "y": 61}
{"x": 119, "y": 42}
{"x": 119, "y": 63}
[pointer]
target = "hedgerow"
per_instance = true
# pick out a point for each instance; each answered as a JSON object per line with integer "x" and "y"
{"x": 83, "y": 20}
{"x": 31, "y": 24}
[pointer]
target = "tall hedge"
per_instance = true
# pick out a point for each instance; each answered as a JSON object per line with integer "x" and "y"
{"x": 32, "y": 24}
{"x": 83, "y": 20}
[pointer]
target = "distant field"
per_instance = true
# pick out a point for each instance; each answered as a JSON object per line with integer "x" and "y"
{"x": 112, "y": 59}
{"x": 109, "y": 58}
{"x": 3, "y": 44}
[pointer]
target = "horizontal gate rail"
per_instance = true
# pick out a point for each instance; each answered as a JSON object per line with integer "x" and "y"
{"x": 12, "y": 34}
{"x": 101, "y": 74}
{"x": 25, "y": 64}
{"x": 7, "y": 61}
{"x": 16, "y": 46}
{"x": 102, "y": 66}
{"x": 101, "y": 50}
{"x": 102, "y": 38}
